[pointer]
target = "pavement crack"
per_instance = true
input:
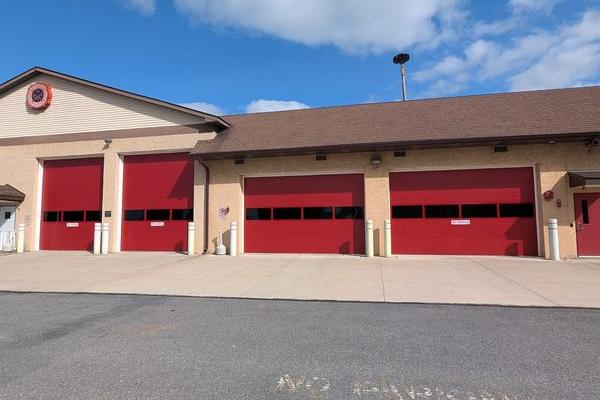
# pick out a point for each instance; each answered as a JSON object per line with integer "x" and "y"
{"x": 514, "y": 282}
{"x": 381, "y": 278}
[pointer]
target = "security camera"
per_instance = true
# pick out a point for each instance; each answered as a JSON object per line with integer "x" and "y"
{"x": 108, "y": 141}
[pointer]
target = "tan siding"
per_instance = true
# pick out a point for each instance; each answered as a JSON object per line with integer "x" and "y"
{"x": 77, "y": 108}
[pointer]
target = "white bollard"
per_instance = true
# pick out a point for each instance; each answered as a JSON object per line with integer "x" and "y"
{"x": 553, "y": 238}
{"x": 105, "y": 238}
{"x": 21, "y": 238}
{"x": 369, "y": 238}
{"x": 233, "y": 239}
{"x": 387, "y": 237}
{"x": 191, "y": 238}
{"x": 97, "y": 237}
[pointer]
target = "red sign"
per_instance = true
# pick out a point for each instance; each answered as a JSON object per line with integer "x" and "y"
{"x": 39, "y": 96}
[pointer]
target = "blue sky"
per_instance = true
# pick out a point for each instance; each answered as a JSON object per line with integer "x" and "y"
{"x": 236, "y": 56}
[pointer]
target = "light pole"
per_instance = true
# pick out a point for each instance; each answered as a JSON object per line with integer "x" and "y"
{"x": 402, "y": 59}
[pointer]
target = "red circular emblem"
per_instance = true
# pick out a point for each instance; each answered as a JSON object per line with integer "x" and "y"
{"x": 39, "y": 96}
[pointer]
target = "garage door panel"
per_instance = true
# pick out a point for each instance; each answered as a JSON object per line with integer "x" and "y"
{"x": 504, "y": 196}
{"x": 305, "y": 199}
{"x": 156, "y": 184}
{"x": 71, "y": 203}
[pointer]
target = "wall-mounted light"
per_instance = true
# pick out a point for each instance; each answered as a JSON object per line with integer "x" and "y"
{"x": 500, "y": 149}
{"x": 321, "y": 157}
{"x": 400, "y": 153}
{"x": 239, "y": 161}
{"x": 376, "y": 161}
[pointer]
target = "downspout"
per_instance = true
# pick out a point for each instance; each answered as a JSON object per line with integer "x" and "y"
{"x": 207, "y": 185}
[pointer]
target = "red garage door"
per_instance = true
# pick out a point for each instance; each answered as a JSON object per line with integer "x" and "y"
{"x": 71, "y": 203}
{"x": 483, "y": 211}
{"x": 158, "y": 193}
{"x": 305, "y": 214}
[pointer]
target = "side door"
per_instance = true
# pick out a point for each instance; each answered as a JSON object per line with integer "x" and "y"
{"x": 587, "y": 220}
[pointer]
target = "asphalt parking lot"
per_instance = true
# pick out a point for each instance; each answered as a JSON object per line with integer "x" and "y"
{"x": 88, "y": 346}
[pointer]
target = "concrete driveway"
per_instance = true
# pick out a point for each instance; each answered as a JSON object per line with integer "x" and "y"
{"x": 419, "y": 279}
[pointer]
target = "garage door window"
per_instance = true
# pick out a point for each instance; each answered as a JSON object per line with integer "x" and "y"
{"x": 255, "y": 214}
{"x": 186, "y": 214}
{"x": 352, "y": 212}
{"x": 318, "y": 212}
{"x": 516, "y": 210}
{"x": 52, "y": 216}
{"x": 73, "y": 216}
{"x": 287, "y": 213}
{"x": 93, "y": 216}
{"x": 158, "y": 215}
{"x": 442, "y": 211}
{"x": 407, "y": 212}
{"x": 479, "y": 211}
{"x": 134, "y": 215}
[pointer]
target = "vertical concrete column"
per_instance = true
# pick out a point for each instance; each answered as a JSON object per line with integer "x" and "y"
{"x": 233, "y": 239}
{"x": 387, "y": 237}
{"x": 97, "y": 237}
{"x": 191, "y": 238}
{"x": 369, "y": 238}
{"x": 553, "y": 236}
{"x": 21, "y": 238}
{"x": 377, "y": 201}
{"x": 111, "y": 197}
{"x": 105, "y": 238}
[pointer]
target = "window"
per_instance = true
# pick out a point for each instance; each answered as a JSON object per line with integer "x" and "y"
{"x": 52, "y": 216}
{"x": 287, "y": 213}
{"x": 479, "y": 211}
{"x": 253, "y": 214}
{"x": 134, "y": 215}
{"x": 7, "y": 214}
{"x": 350, "y": 212}
{"x": 158, "y": 215}
{"x": 93, "y": 216}
{"x": 441, "y": 211}
{"x": 585, "y": 212}
{"x": 516, "y": 210}
{"x": 186, "y": 214}
{"x": 407, "y": 211}
{"x": 318, "y": 212}
{"x": 72, "y": 216}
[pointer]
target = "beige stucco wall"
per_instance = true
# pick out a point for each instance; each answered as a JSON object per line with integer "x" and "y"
{"x": 77, "y": 108}
{"x": 20, "y": 167}
{"x": 551, "y": 162}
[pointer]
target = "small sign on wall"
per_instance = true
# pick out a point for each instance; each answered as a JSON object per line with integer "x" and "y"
{"x": 72, "y": 224}
{"x": 460, "y": 222}
{"x": 157, "y": 223}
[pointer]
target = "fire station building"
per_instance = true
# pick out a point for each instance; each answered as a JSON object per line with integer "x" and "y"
{"x": 473, "y": 175}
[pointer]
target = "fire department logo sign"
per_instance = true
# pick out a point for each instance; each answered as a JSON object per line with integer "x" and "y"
{"x": 39, "y": 96}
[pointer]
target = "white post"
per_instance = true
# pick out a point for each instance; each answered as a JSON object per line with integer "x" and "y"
{"x": 553, "y": 237}
{"x": 105, "y": 238}
{"x": 387, "y": 237}
{"x": 97, "y": 237}
{"x": 233, "y": 239}
{"x": 191, "y": 238}
{"x": 369, "y": 238}
{"x": 21, "y": 238}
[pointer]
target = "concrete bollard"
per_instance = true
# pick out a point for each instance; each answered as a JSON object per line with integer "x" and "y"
{"x": 191, "y": 238}
{"x": 104, "y": 240}
{"x": 387, "y": 237}
{"x": 553, "y": 239}
{"x": 97, "y": 237}
{"x": 369, "y": 238}
{"x": 233, "y": 239}
{"x": 21, "y": 238}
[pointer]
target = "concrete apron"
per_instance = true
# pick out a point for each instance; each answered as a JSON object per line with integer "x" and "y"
{"x": 413, "y": 279}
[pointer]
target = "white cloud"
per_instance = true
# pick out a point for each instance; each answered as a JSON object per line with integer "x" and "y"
{"x": 355, "y": 26}
{"x": 144, "y": 7}
{"x": 274, "y": 105}
{"x": 533, "y": 5}
{"x": 567, "y": 56}
{"x": 205, "y": 107}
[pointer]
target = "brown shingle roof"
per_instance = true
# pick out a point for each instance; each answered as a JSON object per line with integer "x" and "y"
{"x": 9, "y": 193}
{"x": 503, "y": 118}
